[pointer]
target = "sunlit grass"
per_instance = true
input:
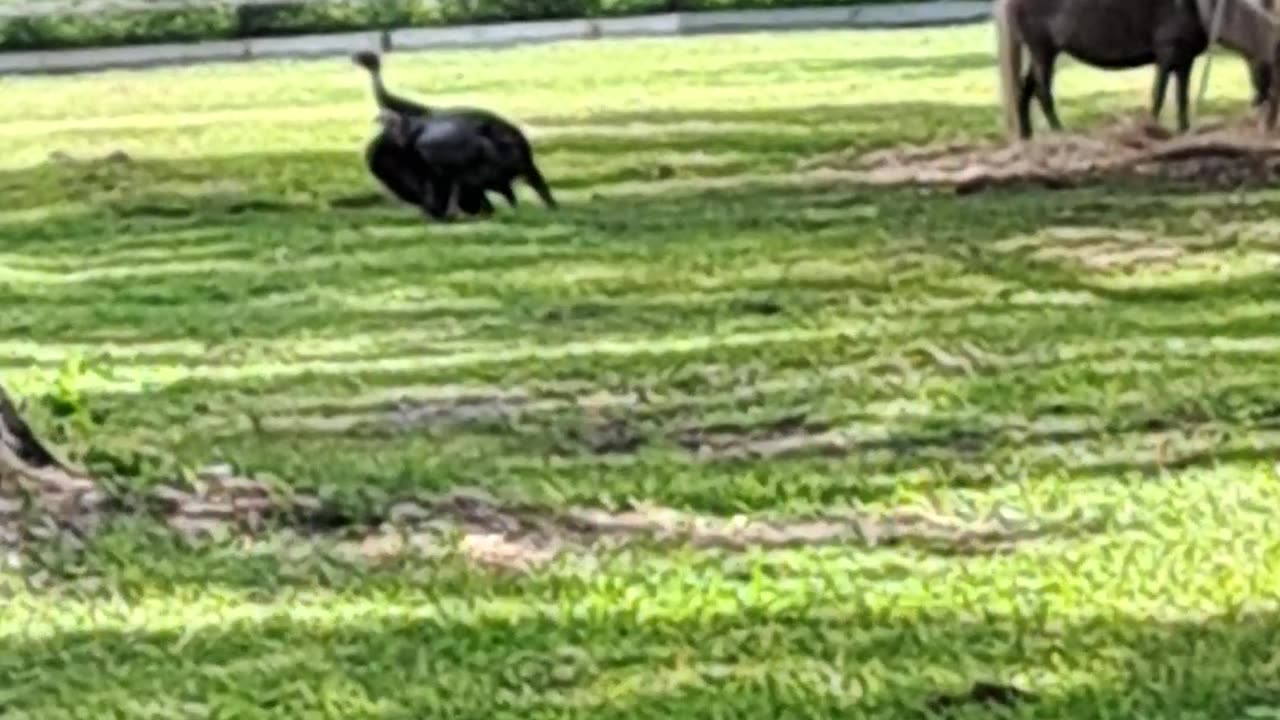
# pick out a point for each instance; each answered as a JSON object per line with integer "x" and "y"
{"x": 1105, "y": 357}
{"x": 1182, "y": 628}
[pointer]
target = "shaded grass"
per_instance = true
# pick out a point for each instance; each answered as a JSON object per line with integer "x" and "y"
{"x": 235, "y": 289}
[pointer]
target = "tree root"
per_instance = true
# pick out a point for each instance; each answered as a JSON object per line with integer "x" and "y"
{"x": 29, "y": 468}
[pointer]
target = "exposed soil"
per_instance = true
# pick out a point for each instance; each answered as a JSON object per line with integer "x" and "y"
{"x": 42, "y": 498}
{"x": 1217, "y": 154}
{"x": 513, "y": 537}
{"x": 41, "y": 495}
{"x": 524, "y": 536}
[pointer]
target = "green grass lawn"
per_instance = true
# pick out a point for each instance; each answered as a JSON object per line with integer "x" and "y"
{"x": 1100, "y": 360}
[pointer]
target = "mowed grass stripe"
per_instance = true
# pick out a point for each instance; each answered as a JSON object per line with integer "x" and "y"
{"x": 444, "y": 353}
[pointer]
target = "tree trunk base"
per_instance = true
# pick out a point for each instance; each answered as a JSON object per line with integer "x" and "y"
{"x": 29, "y": 468}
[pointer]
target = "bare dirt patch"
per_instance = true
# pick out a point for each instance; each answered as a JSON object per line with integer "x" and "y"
{"x": 1225, "y": 153}
{"x": 522, "y": 537}
{"x": 44, "y": 499}
{"x": 510, "y": 537}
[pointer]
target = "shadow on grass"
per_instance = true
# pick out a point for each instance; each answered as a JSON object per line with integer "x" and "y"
{"x": 274, "y": 255}
{"x": 618, "y": 146}
{"x": 141, "y": 287}
{"x": 375, "y": 663}
{"x": 620, "y": 231}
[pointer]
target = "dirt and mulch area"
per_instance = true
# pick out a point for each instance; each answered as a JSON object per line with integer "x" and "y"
{"x": 44, "y": 498}
{"x": 56, "y": 506}
{"x": 1217, "y": 153}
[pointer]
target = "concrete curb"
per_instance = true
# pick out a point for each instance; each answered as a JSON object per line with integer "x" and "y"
{"x": 309, "y": 46}
{"x": 904, "y": 14}
{"x": 59, "y": 61}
